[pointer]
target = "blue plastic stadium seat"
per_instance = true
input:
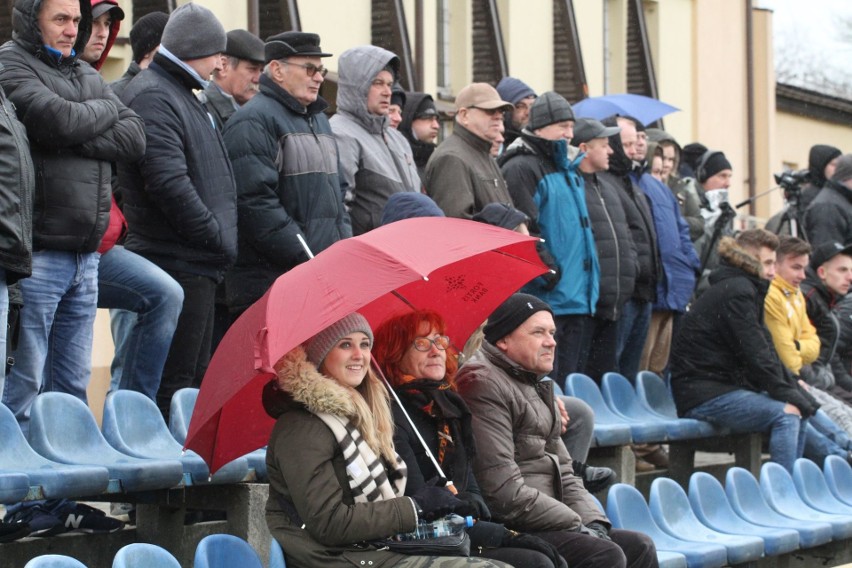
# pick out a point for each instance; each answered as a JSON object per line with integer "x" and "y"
{"x": 55, "y": 479}
{"x": 747, "y": 501}
{"x": 812, "y": 488}
{"x": 63, "y": 429}
{"x": 13, "y": 486}
{"x": 780, "y": 492}
{"x": 711, "y": 506}
{"x": 54, "y": 561}
{"x": 619, "y": 394}
{"x": 655, "y": 396}
{"x": 670, "y": 508}
{"x": 276, "y": 555}
{"x": 667, "y": 559}
{"x": 838, "y": 476}
{"x": 225, "y": 551}
{"x": 626, "y": 509}
{"x": 585, "y": 388}
{"x": 180, "y": 415}
{"x": 133, "y": 425}
{"x": 143, "y": 555}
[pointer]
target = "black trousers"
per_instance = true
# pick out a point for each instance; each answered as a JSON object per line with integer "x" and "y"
{"x": 628, "y": 549}
{"x": 602, "y": 338}
{"x": 571, "y": 347}
{"x": 189, "y": 353}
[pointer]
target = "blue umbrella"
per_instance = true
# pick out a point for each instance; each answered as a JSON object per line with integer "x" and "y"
{"x": 645, "y": 109}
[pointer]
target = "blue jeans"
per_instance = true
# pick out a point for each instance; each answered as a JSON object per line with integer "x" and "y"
{"x": 825, "y": 438}
{"x": 632, "y": 332}
{"x": 748, "y": 411}
{"x": 54, "y": 350}
{"x": 4, "y": 326}
{"x": 145, "y": 303}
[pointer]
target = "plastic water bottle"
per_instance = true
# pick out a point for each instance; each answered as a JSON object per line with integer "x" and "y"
{"x": 447, "y": 526}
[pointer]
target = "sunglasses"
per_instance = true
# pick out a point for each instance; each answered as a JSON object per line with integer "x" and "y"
{"x": 309, "y": 68}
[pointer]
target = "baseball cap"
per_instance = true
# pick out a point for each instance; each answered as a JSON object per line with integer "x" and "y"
{"x": 826, "y": 251}
{"x": 586, "y": 129}
{"x": 481, "y": 95}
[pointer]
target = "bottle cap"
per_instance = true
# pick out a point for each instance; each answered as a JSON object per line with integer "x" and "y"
{"x": 468, "y": 521}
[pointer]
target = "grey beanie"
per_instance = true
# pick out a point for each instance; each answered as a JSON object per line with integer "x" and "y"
{"x": 193, "y": 32}
{"x": 843, "y": 171}
{"x": 319, "y": 345}
{"x": 549, "y": 108}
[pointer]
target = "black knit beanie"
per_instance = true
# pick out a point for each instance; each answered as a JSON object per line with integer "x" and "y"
{"x": 712, "y": 166}
{"x": 511, "y": 314}
{"x": 146, "y": 33}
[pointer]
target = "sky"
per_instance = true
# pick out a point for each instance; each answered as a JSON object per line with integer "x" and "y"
{"x": 813, "y": 44}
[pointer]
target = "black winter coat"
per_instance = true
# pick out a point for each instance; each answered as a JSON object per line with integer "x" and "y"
{"x": 723, "y": 344}
{"x": 641, "y": 223}
{"x": 180, "y": 200}
{"x": 829, "y": 216}
{"x": 17, "y": 184}
{"x": 76, "y": 127}
{"x": 616, "y": 250}
{"x": 286, "y": 165}
{"x": 820, "y": 303}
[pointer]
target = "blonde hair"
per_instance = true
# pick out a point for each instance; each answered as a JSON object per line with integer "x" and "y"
{"x": 373, "y": 415}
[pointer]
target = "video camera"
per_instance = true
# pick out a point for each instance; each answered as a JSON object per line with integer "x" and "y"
{"x": 791, "y": 182}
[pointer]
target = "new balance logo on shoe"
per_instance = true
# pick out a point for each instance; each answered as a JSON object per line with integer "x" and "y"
{"x": 74, "y": 521}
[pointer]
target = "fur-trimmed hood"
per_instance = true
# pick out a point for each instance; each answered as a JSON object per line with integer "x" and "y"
{"x": 735, "y": 256}
{"x": 302, "y": 385}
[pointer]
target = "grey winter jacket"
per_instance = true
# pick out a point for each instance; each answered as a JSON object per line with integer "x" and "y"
{"x": 829, "y": 216}
{"x": 521, "y": 464}
{"x": 76, "y": 128}
{"x": 462, "y": 177}
{"x": 375, "y": 160}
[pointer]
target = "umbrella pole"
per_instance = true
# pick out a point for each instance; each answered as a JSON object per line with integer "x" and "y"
{"x": 442, "y": 478}
{"x": 305, "y": 246}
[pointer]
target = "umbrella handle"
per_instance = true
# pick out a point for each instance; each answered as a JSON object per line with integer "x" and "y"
{"x": 442, "y": 478}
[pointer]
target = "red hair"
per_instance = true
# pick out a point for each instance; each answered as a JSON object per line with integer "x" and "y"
{"x": 396, "y": 336}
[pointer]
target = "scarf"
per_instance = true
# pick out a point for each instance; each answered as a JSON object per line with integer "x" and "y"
{"x": 456, "y": 446}
{"x": 369, "y": 479}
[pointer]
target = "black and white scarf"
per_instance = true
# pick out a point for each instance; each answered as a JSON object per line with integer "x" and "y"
{"x": 370, "y": 478}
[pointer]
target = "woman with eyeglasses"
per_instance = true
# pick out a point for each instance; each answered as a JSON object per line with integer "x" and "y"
{"x": 335, "y": 482}
{"x": 420, "y": 362}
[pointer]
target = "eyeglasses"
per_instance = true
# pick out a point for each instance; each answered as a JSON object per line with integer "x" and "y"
{"x": 425, "y": 343}
{"x": 490, "y": 111}
{"x": 309, "y": 68}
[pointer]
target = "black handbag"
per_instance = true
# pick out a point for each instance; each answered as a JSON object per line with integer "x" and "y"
{"x": 453, "y": 545}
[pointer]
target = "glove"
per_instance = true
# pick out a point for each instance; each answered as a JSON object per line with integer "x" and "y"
{"x": 531, "y": 542}
{"x": 477, "y": 503}
{"x": 600, "y": 529}
{"x": 435, "y": 502}
{"x": 551, "y": 279}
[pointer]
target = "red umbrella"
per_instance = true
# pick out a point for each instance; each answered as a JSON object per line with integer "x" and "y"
{"x": 461, "y": 269}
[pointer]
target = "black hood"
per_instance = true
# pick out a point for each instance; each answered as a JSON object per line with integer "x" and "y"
{"x": 619, "y": 164}
{"x": 818, "y": 158}
{"x": 412, "y": 105}
{"x": 26, "y": 33}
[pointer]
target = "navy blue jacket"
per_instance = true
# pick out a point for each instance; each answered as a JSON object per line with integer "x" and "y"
{"x": 180, "y": 199}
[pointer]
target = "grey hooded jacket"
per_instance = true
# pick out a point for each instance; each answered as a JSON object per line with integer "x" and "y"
{"x": 375, "y": 160}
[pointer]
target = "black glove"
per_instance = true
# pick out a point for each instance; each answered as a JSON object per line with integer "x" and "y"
{"x": 600, "y": 529}
{"x": 475, "y": 500}
{"x": 551, "y": 279}
{"x": 435, "y": 502}
{"x": 531, "y": 542}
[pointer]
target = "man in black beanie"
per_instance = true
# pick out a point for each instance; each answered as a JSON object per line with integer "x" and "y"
{"x": 144, "y": 40}
{"x": 180, "y": 199}
{"x": 523, "y": 469}
{"x": 829, "y": 217}
{"x": 420, "y": 127}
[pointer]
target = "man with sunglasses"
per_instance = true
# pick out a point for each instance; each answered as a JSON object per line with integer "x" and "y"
{"x": 461, "y": 175}
{"x": 285, "y": 162}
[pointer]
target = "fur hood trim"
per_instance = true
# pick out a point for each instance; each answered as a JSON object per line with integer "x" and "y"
{"x": 300, "y": 378}
{"x": 736, "y": 256}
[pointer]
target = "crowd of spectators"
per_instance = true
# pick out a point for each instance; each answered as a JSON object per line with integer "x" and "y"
{"x": 176, "y": 195}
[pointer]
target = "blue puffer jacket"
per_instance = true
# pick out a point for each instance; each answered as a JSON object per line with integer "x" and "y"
{"x": 561, "y": 219}
{"x": 680, "y": 262}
